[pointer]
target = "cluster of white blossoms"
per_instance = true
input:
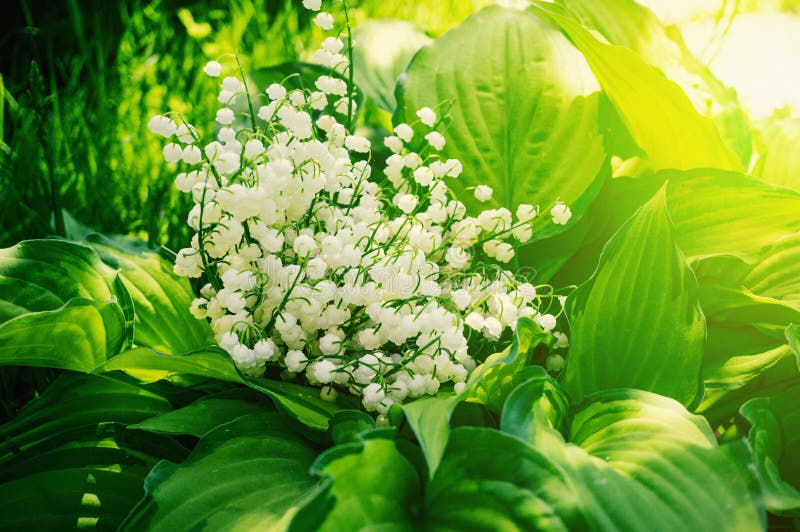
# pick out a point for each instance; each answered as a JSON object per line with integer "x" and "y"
{"x": 372, "y": 282}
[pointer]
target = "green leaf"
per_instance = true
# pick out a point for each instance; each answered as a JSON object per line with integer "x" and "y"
{"x": 207, "y": 413}
{"x": 746, "y": 332}
{"x": 535, "y": 408}
{"x": 382, "y": 51}
{"x": 492, "y": 381}
{"x": 38, "y": 275}
{"x": 775, "y": 437}
{"x": 658, "y": 114}
{"x": 370, "y": 485}
{"x": 489, "y": 384}
{"x": 303, "y": 403}
{"x": 570, "y": 258}
{"x": 211, "y": 363}
{"x": 637, "y": 322}
{"x": 249, "y": 474}
{"x": 75, "y": 406}
{"x": 493, "y": 481}
{"x": 78, "y": 336}
{"x": 778, "y": 160}
{"x": 524, "y": 113}
{"x": 429, "y": 418}
{"x": 161, "y": 299}
{"x": 97, "y": 490}
{"x": 776, "y": 275}
{"x": 632, "y": 25}
{"x": 636, "y": 460}
{"x": 60, "y": 306}
{"x": 346, "y": 426}
{"x": 657, "y": 467}
{"x": 67, "y": 459}
{"x": 716, "y": 212}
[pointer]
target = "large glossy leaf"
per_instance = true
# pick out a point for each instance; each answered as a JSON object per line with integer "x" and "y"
{"x": 161, "y": 299}
{"x": 68, "y": 460}
{"x": 301, "y": 402}
{"x": 775, "y": 437}
{"x": 641, "y": 461}
{"x": 60, "y": 307}
{"x": 746, "y": 332}
{"x": 632, "y": 25}
{"x": 524, "y": 117}
{"x": 246, "y": 475}
{"x": 95, "y": 487}
{"x": 489, "y": 384}
{"x": 717, "y": 212}
{"x": 382, "y": 51}
{"x": 778, "y": 158}
{"x": 76, "y": 405}
{"x": 637, "y": 322}
{"x": 370, "y": 485}
{"x": 776, "y": 275}
{"x": 207, "y": 413}
{"x": 489, "y": 480}
{"x": 535, "y": 408}
{"x": 658, "y": 114}
{"x": 37, "y": 275}
{"x": 636, "y": 460}
{"x": 79, "y": 336}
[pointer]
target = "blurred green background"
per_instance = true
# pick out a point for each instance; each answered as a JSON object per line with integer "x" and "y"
{"x": 82, "y": 78}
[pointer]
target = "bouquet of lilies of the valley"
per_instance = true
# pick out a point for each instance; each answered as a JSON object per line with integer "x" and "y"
{"x": 510, "y": 278}
{"x": 372, "y": 280}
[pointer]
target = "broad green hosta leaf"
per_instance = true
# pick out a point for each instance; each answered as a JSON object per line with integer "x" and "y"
{"x": 370, "y": 485}
{"x": 347, "y": 425}
{"x": 535, "y": 408}
{"x": 79, "y": 336}
{"x": 37, "y": 275}
{"x": 639, "y": 461}
{"x": 301, "y": 402}
{"x": 777, "y": 274}
{"x": 246, "y": 475}
{"x": 489, "y": 384}
{"x": 489, "y": 480}
{"x": 629, "y": 24}
{"x": 716, "y": 212}
{"x": 67, "y": 460}
{"x": 75, "y": 406}
{"x": 570, "y": 258}
{"x": 60, "y": 307}
{"x": 746, "y": 332}
{"x": 524, "y": 117}
{"x": 95, "y": 487}
{"x": 778, "y": 158}
{"x": 721, "y": 406}
{"x": 161, "y": 299}
{"x": 775, "y": 437}
{"x": 637, "y": 322}
{"x": 383, "y": 49}
{"x": 658, "y": 114}
{"x": 207, "y": 413}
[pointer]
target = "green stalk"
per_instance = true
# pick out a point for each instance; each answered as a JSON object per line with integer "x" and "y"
{"x": 350, "y": 82}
